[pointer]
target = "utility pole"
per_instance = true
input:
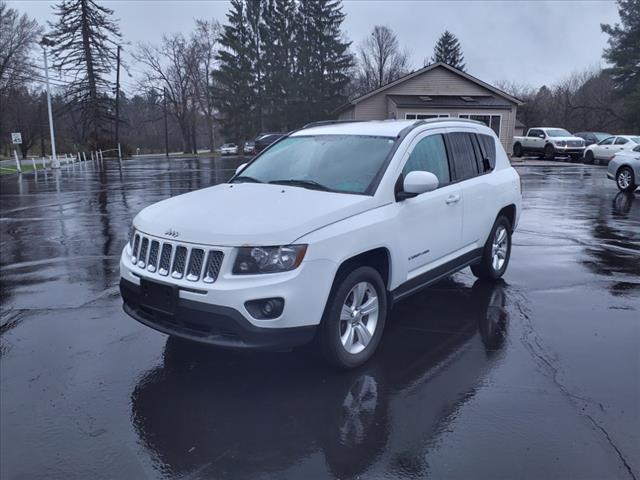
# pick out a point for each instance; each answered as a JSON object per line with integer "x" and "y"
{"x": 118, "y": 103}
{"x": 54, "y": 161}
{"x": 166, "y": 130}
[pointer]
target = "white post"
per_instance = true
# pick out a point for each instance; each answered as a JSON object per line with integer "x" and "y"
{"x": 101, "y": 156}
{"x": 79, "y": 159}
{"x": 84, "y": 156}
{"x": 55, "y": 163}
{"x": 18, "y": 166}
{"x": 91, "y": 152}
{"x": 33, "y": 160}
{"x": 119, "y": 152}
{"x": 44, "y": 163}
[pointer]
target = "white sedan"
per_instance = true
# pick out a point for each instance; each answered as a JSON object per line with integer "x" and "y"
{"x": 229, "y": 149}
{"x": 624, "y": 168}
{"x": 608, "y": 147}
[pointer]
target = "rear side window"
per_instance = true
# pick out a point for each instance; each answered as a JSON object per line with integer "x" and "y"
{"x": 463, "y": 155}
{"x": 620, "y": 141}
{"x": 430, "y": 155}
{"x": 488, "y": 149}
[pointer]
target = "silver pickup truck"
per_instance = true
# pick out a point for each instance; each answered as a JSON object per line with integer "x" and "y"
{"x": 549, "y": 142}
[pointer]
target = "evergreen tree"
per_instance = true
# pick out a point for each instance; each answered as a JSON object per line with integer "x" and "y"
{"x": 233, "y": 80}
{"x": 624, "y": 56}
{"x": 86, "y": 38}
{"x": 449, "y": 51}
{"x": 323, "y": 59}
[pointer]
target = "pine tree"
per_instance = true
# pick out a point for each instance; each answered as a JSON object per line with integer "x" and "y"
{"x": 624, "y": 56}
{"x": 234, "y": 80}
{"x": 449, "y": 51}
{"x": 86, "y": 38}
{"x": 323, "y": 59}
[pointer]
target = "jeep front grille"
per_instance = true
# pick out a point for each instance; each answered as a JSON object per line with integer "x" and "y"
{"x": 181, "y": 261}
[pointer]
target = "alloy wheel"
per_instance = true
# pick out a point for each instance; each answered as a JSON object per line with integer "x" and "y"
{"x": 359, "y": 317}
{"x": 499, "y": 248}
{"x": 624, "y": 179}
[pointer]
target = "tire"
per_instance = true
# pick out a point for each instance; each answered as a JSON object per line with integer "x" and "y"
{"x": 589, "y": 158}
{"x": 491, "y": 268}
{"x": 349, "y": 350}
{"x": 625, "y": 180}
{"x": 549, "y": 152}
{"x": 517, "y": 150}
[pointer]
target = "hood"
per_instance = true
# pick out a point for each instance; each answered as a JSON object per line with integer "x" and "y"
{"x": 248, "y": 214}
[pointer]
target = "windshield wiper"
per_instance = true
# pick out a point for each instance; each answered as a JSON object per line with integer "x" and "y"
{"x": 311, "y": 184}
{"x": 245, "y": 178}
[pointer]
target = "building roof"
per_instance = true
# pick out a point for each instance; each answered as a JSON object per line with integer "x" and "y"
{"x": 448, "y": 101}
{"x": 425, "y": 69}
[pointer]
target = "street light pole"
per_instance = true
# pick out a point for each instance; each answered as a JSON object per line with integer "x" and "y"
{"x": 54, "y": 158}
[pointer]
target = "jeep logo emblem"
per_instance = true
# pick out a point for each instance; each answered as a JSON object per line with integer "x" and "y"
{"x": 172, "y": 233}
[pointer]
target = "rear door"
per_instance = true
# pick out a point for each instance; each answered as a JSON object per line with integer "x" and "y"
{"x": 604, "y": 148}
{"x": 619, "y": 144}
{"x": 473, "y": 160}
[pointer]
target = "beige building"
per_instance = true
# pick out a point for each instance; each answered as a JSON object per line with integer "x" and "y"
{"x": 438, "y": 90}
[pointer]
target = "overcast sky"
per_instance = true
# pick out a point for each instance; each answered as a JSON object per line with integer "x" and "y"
{"x": 534, "y": 42}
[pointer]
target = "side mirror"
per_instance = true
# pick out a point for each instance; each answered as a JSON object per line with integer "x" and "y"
{"x": 417, "y": 182}
{"x": 240, "y": 168}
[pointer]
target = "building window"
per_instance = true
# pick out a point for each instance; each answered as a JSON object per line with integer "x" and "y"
{"x": 424, "y": 116}
{"x": 491, "y": 121}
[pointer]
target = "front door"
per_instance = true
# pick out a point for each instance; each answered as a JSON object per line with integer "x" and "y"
{"x": 430, "y": 224}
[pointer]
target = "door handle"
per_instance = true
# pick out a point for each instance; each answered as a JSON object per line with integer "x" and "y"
{"x": 452, "y": 199}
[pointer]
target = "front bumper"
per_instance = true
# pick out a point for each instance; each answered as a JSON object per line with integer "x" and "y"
{"x": 570, "y": 150}
{"x": 212, "y": 324}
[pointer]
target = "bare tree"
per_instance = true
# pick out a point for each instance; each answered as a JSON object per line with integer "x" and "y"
{"x": 380, "y": 59}
{"x": 18, "y": 34}
{"x": 170, "y": 67}
{"x": 205, "y": 42}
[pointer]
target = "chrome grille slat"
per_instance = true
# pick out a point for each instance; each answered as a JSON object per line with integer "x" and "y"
{"x": 134, "y": 250}
{"x": 144, "y": 246}
{"x": 165, "y": 259}
{"x": 179, "y": 262}
{"x": 195, "y": 264}
{"x": 152, "y": 264}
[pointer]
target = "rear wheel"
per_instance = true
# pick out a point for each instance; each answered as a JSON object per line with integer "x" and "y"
{"x": 496, "y": 252}
{"x": 517, "y": 150}
{"x": 588, "y": 156}
{"x": 625, "y": 180}
{"x": 354, "y": 318}
{"x": 549, "y": 152}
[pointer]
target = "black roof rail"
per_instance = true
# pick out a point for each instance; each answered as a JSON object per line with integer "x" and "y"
{"x": 329, "y": 122}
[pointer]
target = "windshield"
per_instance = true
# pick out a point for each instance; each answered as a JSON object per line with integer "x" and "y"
{"x": 341, "y": 163}
{"x": 558, "y": 132}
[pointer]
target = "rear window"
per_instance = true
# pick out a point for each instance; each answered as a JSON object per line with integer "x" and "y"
{"x": 488, "y": 147}
{"x": 464, "y": 157}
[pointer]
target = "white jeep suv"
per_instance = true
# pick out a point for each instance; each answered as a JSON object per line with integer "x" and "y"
{"x": 319, "y": 234}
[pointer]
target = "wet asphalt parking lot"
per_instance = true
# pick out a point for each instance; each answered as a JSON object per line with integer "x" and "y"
{"x": 537, "y": 376}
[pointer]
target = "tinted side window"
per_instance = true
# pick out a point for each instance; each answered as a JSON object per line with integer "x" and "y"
{"x": 607, "y": 141}
{"x": 488, "y": 147}
{"x": 620, "y": 141}
{"x": 430, "y": 155}
{"x": 463, "y": 155}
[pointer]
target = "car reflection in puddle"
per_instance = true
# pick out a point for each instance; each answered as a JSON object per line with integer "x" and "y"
{"x": 214, "y": 413}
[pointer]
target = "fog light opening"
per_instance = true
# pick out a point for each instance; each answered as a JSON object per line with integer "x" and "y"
{"x": 265, "y": 308}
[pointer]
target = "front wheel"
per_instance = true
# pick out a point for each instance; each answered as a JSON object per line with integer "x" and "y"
{"x": 549, "y": 152}
{"x": 625, "y": 180}
{"x": 354, "y": 318}
{"x": 496, "y": 252}
{"x": 588, "y": 156}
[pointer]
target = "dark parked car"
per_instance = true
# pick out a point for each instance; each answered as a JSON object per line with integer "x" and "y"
{"x": 263, "y": 140}
{"x": 592, "y": 137}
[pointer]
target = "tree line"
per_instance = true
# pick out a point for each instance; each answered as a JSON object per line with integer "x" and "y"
{"x": 272, "y": 65}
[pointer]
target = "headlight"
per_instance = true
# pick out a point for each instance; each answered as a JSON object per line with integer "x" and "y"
{"x": 268, "y": 259}
{"x": 561, "y": 143}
